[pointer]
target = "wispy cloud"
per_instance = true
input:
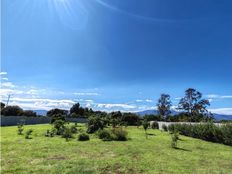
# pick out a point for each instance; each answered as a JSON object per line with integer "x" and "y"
{"x": 215, "y": 96}
{"x": 113, "y": 105}
{"x": 146, "y": 100}
{"x": 3, "y": 73}
{"x": 86, "y": 93}
{"x": 225, "y": 111}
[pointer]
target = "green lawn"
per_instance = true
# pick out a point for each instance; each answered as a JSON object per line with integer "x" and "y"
{"x": 137, "y": 155}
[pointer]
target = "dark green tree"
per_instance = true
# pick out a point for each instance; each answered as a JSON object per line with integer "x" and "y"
{"x": 164, "y": 105}
{"x": 193, "y": 105}
{"x": 29, "y": 113}
{"x": 12, "y": 111}
{"x": 56, "y": 111}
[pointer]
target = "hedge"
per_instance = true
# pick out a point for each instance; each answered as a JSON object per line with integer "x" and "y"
{"x": 206, "y": 131}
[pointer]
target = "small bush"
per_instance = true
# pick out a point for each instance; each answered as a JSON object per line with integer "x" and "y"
{"x": 28, "y": 134}
{"x": 83, "y": 137}
{"x": 155, "y": 125}
{"x": 164, "y": 127}
{"x": 74, "y": 129}
{"x": 20, "y": 129}
{"x": 145, "y": 126}
{"x": 67, "y": 134}
{"x": 105, "y": 135}
{"x": 59, "y": 125}
{"x": 119, "y": 134}
{"x": 94, "y": 124}
{"x": 175, "y": 138}
{"x": 50, "y": 133}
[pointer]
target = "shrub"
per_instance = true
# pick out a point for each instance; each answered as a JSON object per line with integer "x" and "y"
{"x": 83, "y": 137}
{"x": 164, "y": 127}
{"x": 28, "y": 134}
{"x": 145, "y": 126}
{"x": 73, "y": 129}
{"x": 175, "y": 138}
{"x": 119, "y": 134}
{"x": 20, "y": 129}
{"x": 105, "y": 135}
{"x": 59, "y": 126}
{"x": 155, "y": 125}
{"x": 50, "y": 133}
{"x": 67, "y": 134}
{"x": 207, "y": 131}
{"x": 94, "y": 124}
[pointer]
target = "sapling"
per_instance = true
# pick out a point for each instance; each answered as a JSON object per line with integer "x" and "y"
{"x": 28, "y": 133}
{"x": 20, "y": 129}
{"x": 145, "y": 126}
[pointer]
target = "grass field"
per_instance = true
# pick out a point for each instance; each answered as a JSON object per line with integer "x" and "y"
{"x": 137, "y": 155}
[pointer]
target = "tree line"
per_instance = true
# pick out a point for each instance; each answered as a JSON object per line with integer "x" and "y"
{"x": 192, "y": 107}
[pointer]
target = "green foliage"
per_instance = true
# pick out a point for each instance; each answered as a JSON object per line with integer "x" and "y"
{"x": 164, "y": 127}
{"x": 29, "y": 113}
{"x": 164, "y": 105}
{"x": 193, "y": 105}
{"x": 116, "y": 134}
{"x": 67, "y": 134}
{"x": 57, "y": 117}
{"x": 12, "y": 111}
{"x": 119, "y": 134}
{"x": 146, "y": 124}
{"x": 130, "y": 119}
{"x": 205, "y": 131}
{"x": 155, "y": 125}
{"x": 174, "y": 139}
{"x": 83, "y": 137}
{"x": 28, "y": 134}
{"x": 56, "y": 111}
{"x": 50, "y": 133}
{"x": 94, "y": 124}
{"x": 20, "y": 129}
{"x": 59, "y": 125}
{"x": 74, "y": 129}
{"x": 105, "y": 135}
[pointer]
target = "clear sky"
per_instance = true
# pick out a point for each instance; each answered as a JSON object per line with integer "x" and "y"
{"x": 115, "y": 54}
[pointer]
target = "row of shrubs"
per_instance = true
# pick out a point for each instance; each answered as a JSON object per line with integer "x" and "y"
{"x": 115, "y": 134}
{"x": 208, "y": 131}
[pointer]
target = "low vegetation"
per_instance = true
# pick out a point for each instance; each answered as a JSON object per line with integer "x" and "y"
{"x": 136, "y": 155}
{"x": 205, "y": 131}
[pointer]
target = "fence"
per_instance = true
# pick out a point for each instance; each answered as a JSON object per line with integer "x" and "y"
{"x": 161, "y": 123}
{"x": 14, "y": 120}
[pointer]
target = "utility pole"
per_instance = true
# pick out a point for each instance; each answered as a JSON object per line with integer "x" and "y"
{"x": 8, "y": 100}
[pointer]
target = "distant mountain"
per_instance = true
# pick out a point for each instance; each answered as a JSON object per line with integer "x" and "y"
{"x": 41, "y": 112}
{"x": 155, "y": 112}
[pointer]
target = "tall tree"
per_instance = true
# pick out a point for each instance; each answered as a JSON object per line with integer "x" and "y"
{"x": 193, "y": 104}
{"x": 164, "y": 105}
{"x": 56, "y": 111}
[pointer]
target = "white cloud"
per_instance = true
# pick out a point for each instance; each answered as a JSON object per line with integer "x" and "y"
{"x": 226, "y": 96}
{"x": 138, "y": 100}
{"x": 3, "y": 73}
{"x": 147, "y": 100}
{"x": 5, "y": 78}
{"x": 41, "y": 103}
{"x": 225, "y": 111}
{"x": 110, "y": 106}
{"x": 215, "y": 96}
{"x": 86, "y": 93}
{"x": 7, "y": 85}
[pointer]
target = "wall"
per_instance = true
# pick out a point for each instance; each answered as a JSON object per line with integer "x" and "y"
{"x": 14, "y": 120}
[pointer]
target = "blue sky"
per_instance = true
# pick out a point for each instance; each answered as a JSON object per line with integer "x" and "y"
{"x": 115, "y": 55}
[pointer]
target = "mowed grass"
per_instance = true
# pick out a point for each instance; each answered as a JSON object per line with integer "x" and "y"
{"x": 137, "y": 155}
